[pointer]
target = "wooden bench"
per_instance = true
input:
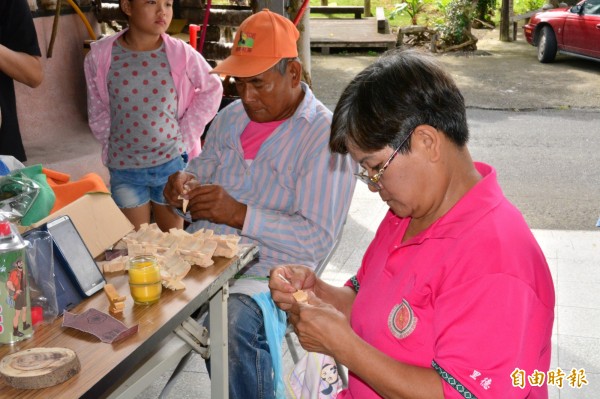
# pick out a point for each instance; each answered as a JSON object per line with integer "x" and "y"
{"x": 356, "y": 10}
{"x": 382, "y": 24}
{"x": 514, "y": 19}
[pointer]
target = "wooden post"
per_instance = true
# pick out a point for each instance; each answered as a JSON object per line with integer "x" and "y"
{"x": 304, "y": 47}
{"x": 504, "y": 21}
{"x": 304, "y": 40}
{"x": 368, "y": 8}
{"x": 276, "y": 6}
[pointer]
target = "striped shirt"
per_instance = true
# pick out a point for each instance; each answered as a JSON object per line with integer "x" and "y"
{"x": 296, "y": 191}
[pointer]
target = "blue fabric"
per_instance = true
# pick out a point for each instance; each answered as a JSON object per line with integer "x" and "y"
{"x": 275, "y": 325}
{"x": 598, "y": 223}
{"x": 131, "y": 188}
{"x": 3, "y": 169}
{"x": 250, "y": 362}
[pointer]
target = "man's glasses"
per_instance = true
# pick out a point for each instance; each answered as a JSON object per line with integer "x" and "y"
{"x": 373, "y": 181}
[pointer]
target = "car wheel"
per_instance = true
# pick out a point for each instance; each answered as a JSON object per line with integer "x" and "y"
{"x": 546, "y": 45}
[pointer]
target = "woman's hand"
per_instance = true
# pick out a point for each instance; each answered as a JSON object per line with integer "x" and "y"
{"x": 320, "y": 326}
{"x": 287, "y": 279}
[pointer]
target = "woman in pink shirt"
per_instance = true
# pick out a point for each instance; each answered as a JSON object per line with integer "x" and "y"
{"x": 454, "y": 298}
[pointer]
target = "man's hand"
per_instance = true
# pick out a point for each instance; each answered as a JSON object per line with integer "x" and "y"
{"x": 178, "y": 186}
{"x": 211, "y": 202}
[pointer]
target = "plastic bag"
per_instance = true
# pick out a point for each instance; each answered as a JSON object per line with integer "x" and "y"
{"x": 275, "y": 323}
{"x": 40, "y": 261}
{"x": 314, "y": 376}
{"x": 17, "y": 195}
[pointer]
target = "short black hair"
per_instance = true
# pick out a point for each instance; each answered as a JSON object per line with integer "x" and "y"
{"x": 390, "y": 98}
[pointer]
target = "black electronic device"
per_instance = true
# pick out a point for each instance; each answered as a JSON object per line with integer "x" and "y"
{"x": 67, "y": 294}
{"x": 73, "y": 252}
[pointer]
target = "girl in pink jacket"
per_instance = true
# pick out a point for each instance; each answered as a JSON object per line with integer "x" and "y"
{"x": 149, "y": 98}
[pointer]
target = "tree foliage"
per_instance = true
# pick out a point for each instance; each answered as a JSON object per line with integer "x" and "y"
{"x": 410, "y": 7}
{"x": 458, "y": 17}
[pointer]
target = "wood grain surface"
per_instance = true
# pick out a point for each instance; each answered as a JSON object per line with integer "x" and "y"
{"x": 103, "y": 366}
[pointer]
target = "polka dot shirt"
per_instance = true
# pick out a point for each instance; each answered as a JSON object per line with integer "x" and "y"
{"x": 143, "y": 105}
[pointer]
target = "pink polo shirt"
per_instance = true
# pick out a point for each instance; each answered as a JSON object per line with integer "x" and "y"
{"x": 471, "y": 296}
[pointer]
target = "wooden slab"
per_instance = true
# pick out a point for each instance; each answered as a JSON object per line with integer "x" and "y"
{"x": 348, "y": 33}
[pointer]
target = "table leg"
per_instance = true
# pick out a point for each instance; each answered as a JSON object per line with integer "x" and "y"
{"x": 219, "y": 353}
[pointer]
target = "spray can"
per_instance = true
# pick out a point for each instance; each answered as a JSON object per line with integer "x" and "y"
{"x": 15, "y": 306}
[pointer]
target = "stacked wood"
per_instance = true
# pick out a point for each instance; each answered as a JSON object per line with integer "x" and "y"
{"x": 470, "y": 44}
{"x": 216, "y": 16}
{"x": 217, "y": 50}
{"x": 117, "y": 302}
{"x": 415, "y": 35}
{"x": 107, "y": 12}
{"x": 213, "y": 33}
{"x": 38, "y": 368}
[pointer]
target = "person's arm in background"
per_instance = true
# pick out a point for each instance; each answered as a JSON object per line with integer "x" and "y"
{"x": 19, "y": 49}
{"x": 21, "y": 67}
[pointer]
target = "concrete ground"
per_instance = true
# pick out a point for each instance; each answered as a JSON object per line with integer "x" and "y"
{"x": 497, "y": 76}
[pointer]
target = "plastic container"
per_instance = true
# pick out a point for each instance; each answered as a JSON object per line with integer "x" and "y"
{"x": 15, "y": 305}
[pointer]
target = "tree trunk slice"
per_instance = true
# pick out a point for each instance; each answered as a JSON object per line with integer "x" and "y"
{"x": 39, "y": 367}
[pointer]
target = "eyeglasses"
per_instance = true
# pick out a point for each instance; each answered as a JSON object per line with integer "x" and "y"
{"x": 373, "y": 181}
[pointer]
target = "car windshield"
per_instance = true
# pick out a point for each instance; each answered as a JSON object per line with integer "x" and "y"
{"x": 591, "y": 7}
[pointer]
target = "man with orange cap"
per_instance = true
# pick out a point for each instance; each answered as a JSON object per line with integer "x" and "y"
{"x": 267, "y": 175}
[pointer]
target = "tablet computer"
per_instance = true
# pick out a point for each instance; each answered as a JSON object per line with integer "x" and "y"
{"x": 67, "y": 294}
{"x": 75, "y": 255}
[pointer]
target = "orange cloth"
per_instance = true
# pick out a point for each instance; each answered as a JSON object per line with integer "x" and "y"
{"x": 68, "y": 191}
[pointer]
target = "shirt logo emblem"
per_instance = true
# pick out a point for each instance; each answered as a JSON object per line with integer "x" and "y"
{"x": 402, "y": 320}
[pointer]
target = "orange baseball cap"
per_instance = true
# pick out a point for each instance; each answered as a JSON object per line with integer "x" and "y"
{"x": 261, "y": 41}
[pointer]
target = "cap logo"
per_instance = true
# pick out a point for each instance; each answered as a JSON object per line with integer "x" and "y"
{"x": 246, "y": 42}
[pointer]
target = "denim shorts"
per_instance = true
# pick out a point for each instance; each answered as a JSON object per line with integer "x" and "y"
{"x": 131, "y": 188}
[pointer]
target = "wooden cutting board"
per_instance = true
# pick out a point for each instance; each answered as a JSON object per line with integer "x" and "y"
{"x": 39, "y": 367}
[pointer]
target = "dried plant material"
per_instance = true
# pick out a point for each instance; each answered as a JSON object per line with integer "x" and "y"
{"x": 197, "y": 248}
{"x": 300, "y": 296}
{"x": 173, "y": 285}
{"x": 185, "y": 203}
{"x": 227, "y": 245}
{"x": 177, "y": 250}
{"x": 118, "y": 264}
{"x": 173, "y": 269}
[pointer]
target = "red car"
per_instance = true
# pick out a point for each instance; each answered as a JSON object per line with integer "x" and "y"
{"x": 573, "y": 31}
